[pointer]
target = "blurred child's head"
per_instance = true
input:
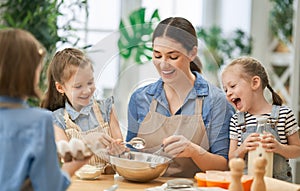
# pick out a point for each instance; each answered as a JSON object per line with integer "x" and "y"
{"x": 70, "y": 77}
{"x": 21, "y": 57}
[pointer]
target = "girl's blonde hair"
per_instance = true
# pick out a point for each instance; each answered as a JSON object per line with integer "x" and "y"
{"x": 62, "y": 67}
{"x": 251, "y": 67}
{"x": 20, "y": 55}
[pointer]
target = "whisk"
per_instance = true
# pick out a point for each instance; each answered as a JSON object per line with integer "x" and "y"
{"x": 156, "y": 158}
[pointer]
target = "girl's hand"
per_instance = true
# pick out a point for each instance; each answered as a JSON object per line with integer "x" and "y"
{"x": 74, "y": 150}
{"x": 270, "y": 143}
{"x": 105, "y": 140}
{"x": 97, "y": 140}
{"x": 250, "y": 143}
{"x": 177, "y": 146}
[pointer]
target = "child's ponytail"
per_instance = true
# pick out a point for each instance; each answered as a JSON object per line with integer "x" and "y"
{"x": 53, "y": 99}
{"x": 276, "y": 98}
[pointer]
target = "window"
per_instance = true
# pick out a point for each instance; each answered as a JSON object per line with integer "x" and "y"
{"x": 99, "y": 29}
{"x": 96, "y": 28}
{"x": 189, "y": 9}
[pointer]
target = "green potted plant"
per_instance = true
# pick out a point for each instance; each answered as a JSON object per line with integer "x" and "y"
{"x": 40, "y": 18}
{"x": 135, "y": 39}
{"x": 220, "y": 47}
{"x": 281, "y": 22}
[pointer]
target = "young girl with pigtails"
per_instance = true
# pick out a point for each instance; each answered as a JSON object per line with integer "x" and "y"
{"x": 76, "y": 113}
{"x": 244, "y": 81}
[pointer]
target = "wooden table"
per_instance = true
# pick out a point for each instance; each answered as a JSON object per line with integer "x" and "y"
{"x": 106, "y": 181}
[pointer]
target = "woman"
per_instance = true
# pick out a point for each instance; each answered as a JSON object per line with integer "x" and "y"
{"x": 182, "y": 111}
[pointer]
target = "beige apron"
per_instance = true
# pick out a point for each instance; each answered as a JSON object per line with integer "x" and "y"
{"x": 157, "y": 127}
{"x": 73, "y": 131}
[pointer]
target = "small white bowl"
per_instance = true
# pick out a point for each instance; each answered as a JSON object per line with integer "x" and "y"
{"x": 88, "y": 172}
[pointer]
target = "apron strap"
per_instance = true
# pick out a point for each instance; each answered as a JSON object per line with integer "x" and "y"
{"x": 69, "y": 123}
{"x": 73, "y": 130}
{"x": 153, "y": 105}
{"x": 100, "y": 119}
{"x": 98, "y": 113}
{"x": 274, "y": 116}
{"x": 275, "y": 112}
{"x": 198, "y": 106}
{"x": 241, "y": 118}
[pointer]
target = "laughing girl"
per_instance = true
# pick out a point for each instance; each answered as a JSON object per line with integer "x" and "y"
{"x": 244, "y": 81}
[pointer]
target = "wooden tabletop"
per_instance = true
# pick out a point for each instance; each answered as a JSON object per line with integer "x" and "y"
{"x": 106, "y": 181}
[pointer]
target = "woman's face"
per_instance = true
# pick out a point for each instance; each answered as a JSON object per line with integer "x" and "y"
{"x": 171, "y": 59}
{"x": 79, "y": 88}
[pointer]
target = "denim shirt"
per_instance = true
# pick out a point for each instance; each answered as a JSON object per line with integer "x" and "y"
{"x": 85, "y": 118}
{"x": 216, "y": 110}
{"x": 28, "y": 149}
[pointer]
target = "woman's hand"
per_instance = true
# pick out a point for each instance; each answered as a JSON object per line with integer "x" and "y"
{"x": 177, "y": 146}
{"x": 270, "y": 143}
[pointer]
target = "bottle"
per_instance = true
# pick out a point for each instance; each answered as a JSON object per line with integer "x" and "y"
{"x": 260, "y": 151}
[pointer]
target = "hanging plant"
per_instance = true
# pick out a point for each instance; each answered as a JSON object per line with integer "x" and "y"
{"x": 135, "y": 39}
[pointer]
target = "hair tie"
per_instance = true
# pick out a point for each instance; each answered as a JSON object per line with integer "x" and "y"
{"x": 40, "y": 51}
{"x": 270, "y": 88}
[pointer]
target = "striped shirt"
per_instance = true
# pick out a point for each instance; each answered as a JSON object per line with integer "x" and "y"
{"x": 286, "y": 126}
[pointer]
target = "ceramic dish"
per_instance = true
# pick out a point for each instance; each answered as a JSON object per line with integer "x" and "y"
{"x": 88, "y": 172}
{"x": 224, "y": 182}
